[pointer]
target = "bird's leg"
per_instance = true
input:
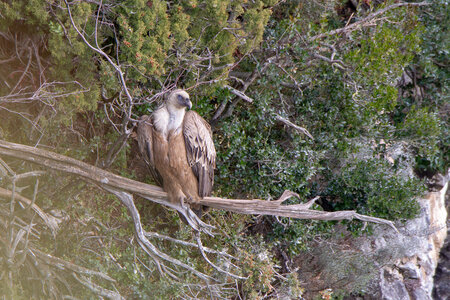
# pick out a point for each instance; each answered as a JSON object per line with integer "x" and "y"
{"x": 182, "y": 200}
{"x": 195, "y": 207}
{"x": 188, "y": 204}
{"x": 184, "y": 208}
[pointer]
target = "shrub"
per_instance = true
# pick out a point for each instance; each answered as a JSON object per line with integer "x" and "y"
{"x": 372, "y": 187}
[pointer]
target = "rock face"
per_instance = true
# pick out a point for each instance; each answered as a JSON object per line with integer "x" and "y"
{"x": 410, "y": 274}
{"x": 442, "y": 276}
{"x": 386, "y": 265}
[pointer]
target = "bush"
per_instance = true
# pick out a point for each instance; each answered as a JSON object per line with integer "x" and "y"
{"x": 372, "y": 187}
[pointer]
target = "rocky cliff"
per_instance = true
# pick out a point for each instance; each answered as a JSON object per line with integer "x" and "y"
{"x": 385, "y": 265}
{"x": 442, "y": 275}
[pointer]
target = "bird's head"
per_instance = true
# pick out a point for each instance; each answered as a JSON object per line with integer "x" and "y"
{"x": 179, "y": 99}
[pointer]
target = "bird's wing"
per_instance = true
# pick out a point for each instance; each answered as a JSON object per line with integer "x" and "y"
{"x": 200, "y": 151}
{"x": 145, "y": 141}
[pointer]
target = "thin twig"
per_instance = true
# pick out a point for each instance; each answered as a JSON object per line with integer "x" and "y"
{"x": 102, "y": 53}
{"x": 184, "y": 243}
{"x": 62, "y": 264}
{"x": 205, "y": 257}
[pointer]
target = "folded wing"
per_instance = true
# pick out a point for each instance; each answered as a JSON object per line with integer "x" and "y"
{"x": 200, "y": 151}
{"x": 145, "y": 141}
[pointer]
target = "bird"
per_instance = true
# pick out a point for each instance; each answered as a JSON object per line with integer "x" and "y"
{"x": 178, "y": 148}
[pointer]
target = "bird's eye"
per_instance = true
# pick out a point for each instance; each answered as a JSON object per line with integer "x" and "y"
{"x": 180, "y": 98}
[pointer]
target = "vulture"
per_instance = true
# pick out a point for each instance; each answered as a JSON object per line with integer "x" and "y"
{"x": 178, "y": 149}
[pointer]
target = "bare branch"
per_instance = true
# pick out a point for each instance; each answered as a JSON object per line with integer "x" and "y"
{"x": 218, "y": 115}
{"x": 97, "y": 289}
{"x": 127, "y": 200}
{"x": 156, "y": 194}
{"x": 296, "y": 127}
{"x": 298, "y": 211}
{"x": 50, "y": 221}
{"x": 117, "y": 67}
{"x": 335, "y": 62}
{"x": 239, "y": 93}
{"x": 24, "y": 72}
{"x": 202, "y": 251}
{"x": 62, "y": 264}
{"x": 184, "y": 243}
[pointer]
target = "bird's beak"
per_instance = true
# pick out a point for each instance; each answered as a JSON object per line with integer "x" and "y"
{"x": 188, "y": 104}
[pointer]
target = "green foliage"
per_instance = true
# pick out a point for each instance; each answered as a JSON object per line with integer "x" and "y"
{"x": 425, "y": 115}
{"x": 294, "y": 236}
{"x": 372, "y": 188}
{"x": 258, "y": 267}
{"x": 196, "y": 45}
{"x": 252, "y": 161}
{"x": 377, "y": 59}
{"x": 144, "y": 28}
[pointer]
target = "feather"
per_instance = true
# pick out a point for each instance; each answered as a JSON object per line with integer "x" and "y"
{"x": 178, "y": 149}
{"x": 200, "y": 151}
{"x": 145, "y": 141}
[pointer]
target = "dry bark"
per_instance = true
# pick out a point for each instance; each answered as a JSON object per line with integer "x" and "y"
{"x": 110, "y": 181}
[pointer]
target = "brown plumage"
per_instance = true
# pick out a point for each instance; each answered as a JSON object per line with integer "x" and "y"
{"x": 178, "y": 149}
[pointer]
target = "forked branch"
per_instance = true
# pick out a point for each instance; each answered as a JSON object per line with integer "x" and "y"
{"x": 113, "y": 182}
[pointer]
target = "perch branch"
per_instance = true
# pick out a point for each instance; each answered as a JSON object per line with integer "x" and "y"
{"x": 153, "y": 193}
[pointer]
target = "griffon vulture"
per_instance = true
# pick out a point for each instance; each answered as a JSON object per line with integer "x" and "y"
{"x": 178, "y": 148}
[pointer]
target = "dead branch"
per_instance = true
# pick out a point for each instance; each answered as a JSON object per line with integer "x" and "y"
{"x": 184, "y": 243}
{"x": 149, "y": 248}
{"x": 334, "y": 62}
{"x": 50, "y": 221}
{"x": 153, "y": 193}
{"x": 205, "y": 257}
{"x": 97, "y": 289}
{"x": 296, "y": 127}
{"x": 62, "y": 264}
{"x": 239, "y": 94}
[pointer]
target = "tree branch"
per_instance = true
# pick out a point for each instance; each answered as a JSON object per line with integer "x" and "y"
{"x": 101, "y": 52}
{"x": 149, "y": 248}
{"x": 50, "y": 221}
{"x": 239, "y": 93}
{"x": 97, "y": 289}
{"x": 296, "y": 127}
{"x": 153, "y": 193}
{"x": 62, "y": 264}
